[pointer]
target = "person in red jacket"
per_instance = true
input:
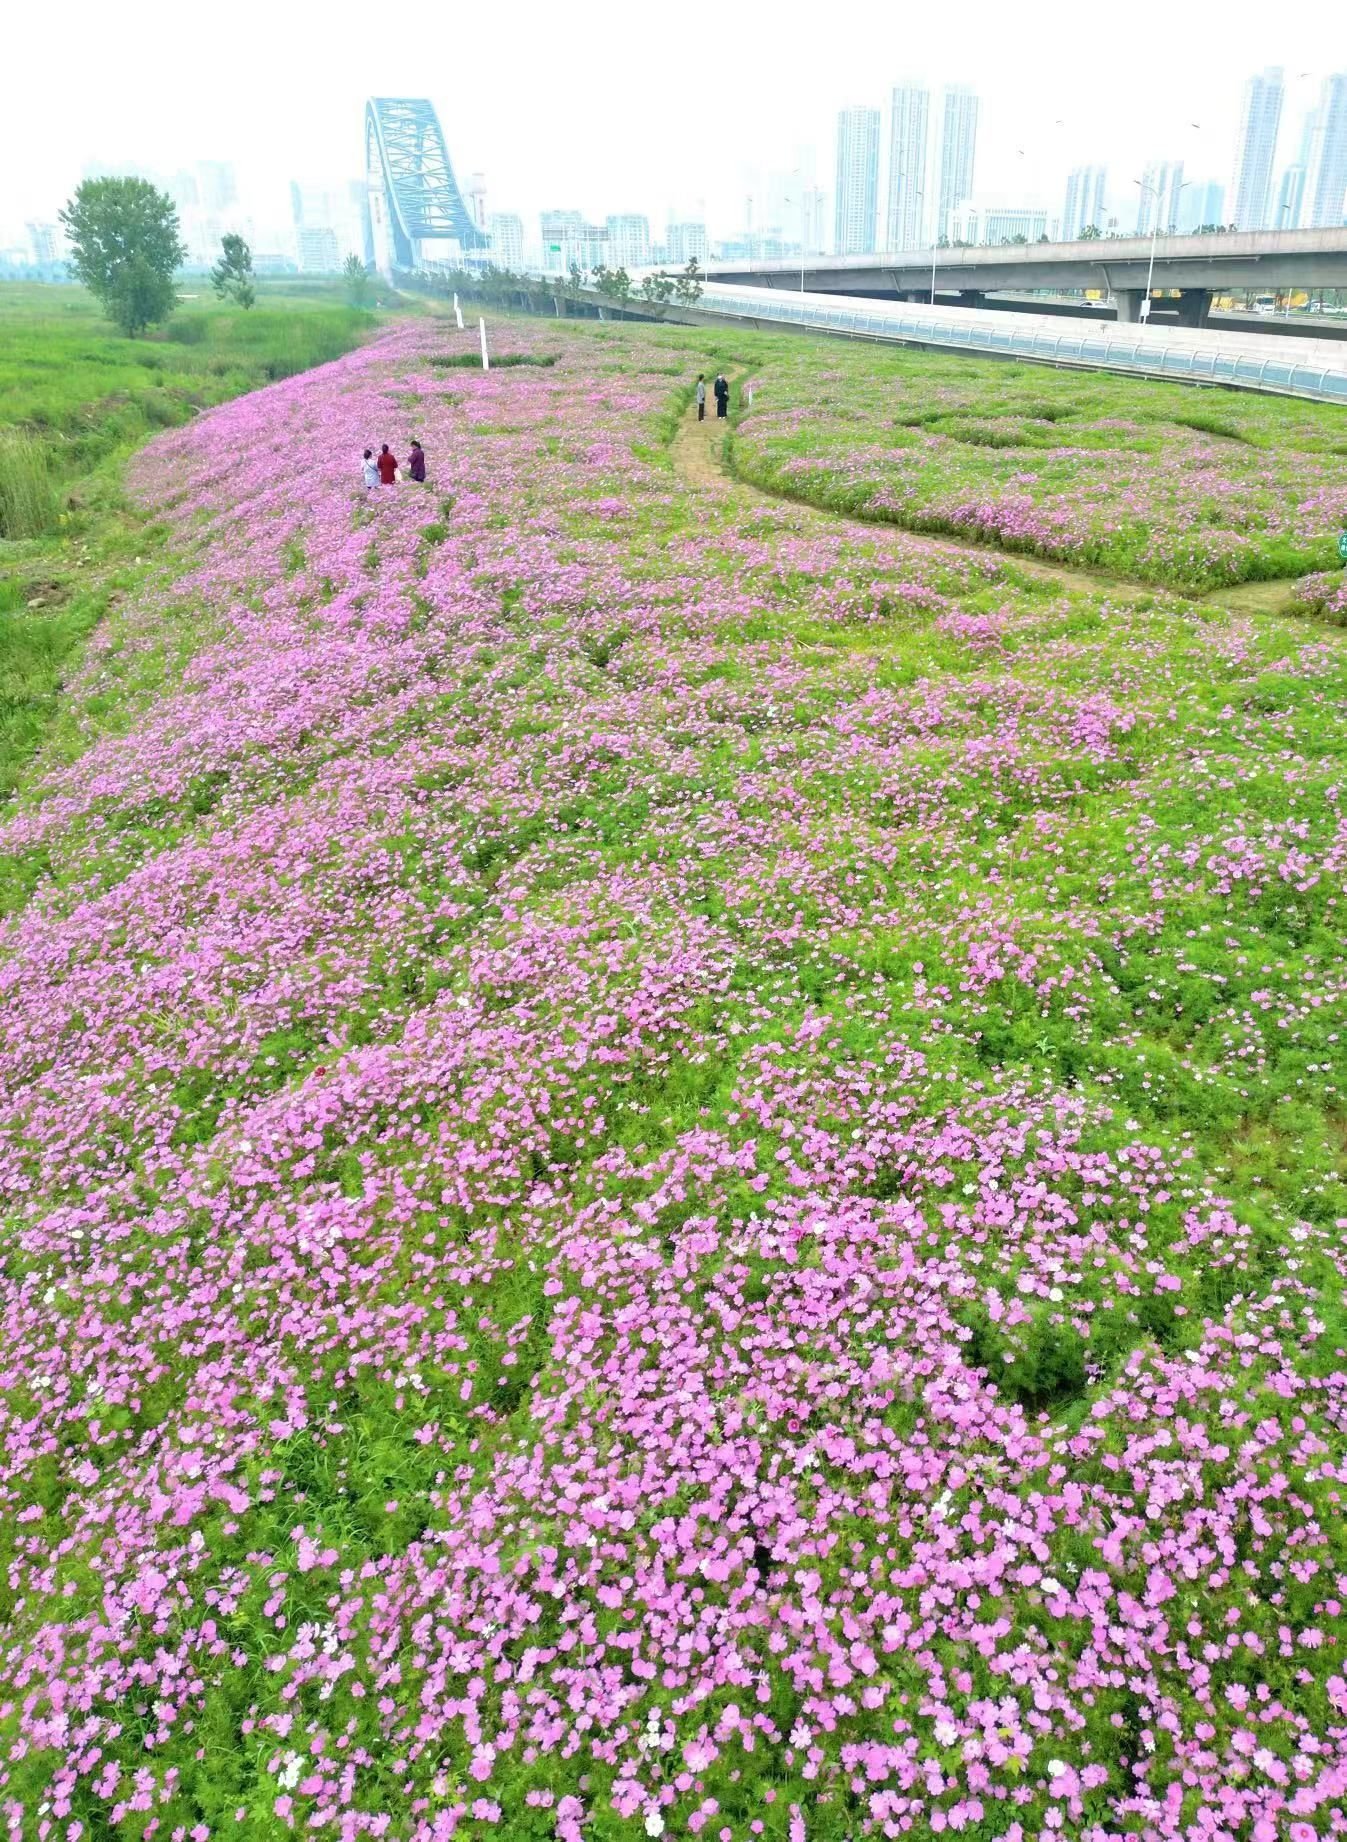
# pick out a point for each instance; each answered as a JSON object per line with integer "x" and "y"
{"x": 387, "y": 464}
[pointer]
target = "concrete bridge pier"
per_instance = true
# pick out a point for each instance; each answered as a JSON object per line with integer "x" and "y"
{"x": 972, "y": 297}
{"x": 1128, "y": 303}
{"x": 1194, "y": 306}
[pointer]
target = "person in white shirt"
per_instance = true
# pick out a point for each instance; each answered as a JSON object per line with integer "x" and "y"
{"x": 701, "y": 397}
{"x": 369, "y": 472}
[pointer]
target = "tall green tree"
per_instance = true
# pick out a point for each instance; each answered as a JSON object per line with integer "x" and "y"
{"x": 688, "y": 285}
{"x": 125, "y": 248}
{"x": 233, "y": 273}
{"x": 656, "y": 290}
{"x": 355, "y": 275}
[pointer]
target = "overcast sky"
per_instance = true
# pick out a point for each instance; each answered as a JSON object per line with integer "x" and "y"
{"x": 616, "y": 105}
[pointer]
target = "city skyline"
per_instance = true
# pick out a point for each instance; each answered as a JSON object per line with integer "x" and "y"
{"x": 1289, "y": 156}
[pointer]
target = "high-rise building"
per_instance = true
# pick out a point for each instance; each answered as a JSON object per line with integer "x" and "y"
{"x": 1290, "y": 198}
{"x": 313, "y": 206}
{"x": 628, "y": 240}
{"x": 976, "y": 223}
{"x": 557, "y": 227}
{"x": 340, "y": 209}
{"x": 217, "y": 185}
{"x": 1256, "y": 150}
{"x": 1202, "y": 202}
{"x": 857, "y": 181}
{"x": 474, "y": 197}
{"x": 358, "y": 222}
{"x": 1325, "y": 200}
{"x": 957, "y": 151}
{"x": 318, "y": 250}
{"x": 1085, "y": 189}
{"x": 686, "y": 243}
{"x": 905, "y": 203}
{"x": 184, "y": 191}
{"x": 1158, "y": 196}
{"x": 507, "y": 239}
{"x": 46, "y": 242}
{"x": 582, "y": 243}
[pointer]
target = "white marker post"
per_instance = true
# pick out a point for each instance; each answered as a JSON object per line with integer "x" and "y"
{"x": 458, "y": 313}
{"x": 486, "y": 362}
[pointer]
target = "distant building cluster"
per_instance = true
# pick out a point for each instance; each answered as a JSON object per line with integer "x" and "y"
{"x": 901, "y": 189}
{"x": 904, "y": 177}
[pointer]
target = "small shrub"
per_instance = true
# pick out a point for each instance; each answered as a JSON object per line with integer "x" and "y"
{"x": 503, "y": 361}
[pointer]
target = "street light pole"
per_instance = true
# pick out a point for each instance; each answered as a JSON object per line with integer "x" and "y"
{"x": 1154, "y": 189}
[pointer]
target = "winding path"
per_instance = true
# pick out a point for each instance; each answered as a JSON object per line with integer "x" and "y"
{"x": 698, "y": 451}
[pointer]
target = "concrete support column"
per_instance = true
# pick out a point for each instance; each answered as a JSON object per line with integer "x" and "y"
{"x": 972, "y": 297}
{"x": 1194, "y": 306}
{"x": 1128, "y": 302}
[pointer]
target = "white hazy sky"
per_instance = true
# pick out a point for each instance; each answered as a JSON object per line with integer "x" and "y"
{"x": 612, "y": 105}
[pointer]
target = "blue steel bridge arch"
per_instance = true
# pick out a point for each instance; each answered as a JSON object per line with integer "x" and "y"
{"x": 414, "y": 196}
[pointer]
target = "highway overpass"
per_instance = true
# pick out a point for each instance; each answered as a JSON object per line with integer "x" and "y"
{"x": 1198, "y": 267}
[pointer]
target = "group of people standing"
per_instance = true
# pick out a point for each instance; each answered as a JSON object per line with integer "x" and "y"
{"x": 721, "y": 391}
{"x": 381, "y": 469}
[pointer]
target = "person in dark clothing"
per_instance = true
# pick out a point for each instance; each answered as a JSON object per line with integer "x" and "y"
{"x": 722, "y": 395}
{"x": 416, "y": 462}
{"x": 387, "y": 464}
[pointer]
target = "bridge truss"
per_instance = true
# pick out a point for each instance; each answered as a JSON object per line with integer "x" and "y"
{"x": 414, "y": 197}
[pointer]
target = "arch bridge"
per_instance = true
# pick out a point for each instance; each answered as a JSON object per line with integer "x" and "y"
{"x": 413, "y": 194}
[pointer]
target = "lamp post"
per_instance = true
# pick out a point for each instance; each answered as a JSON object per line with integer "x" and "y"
{"x": 1147, "y": 185}
{"x": 808, "y": 194}
{"x": 920, "y": 197}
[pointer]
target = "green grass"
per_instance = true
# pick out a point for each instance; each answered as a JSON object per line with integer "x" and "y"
{"x": 1187, "y": 488}
{"x": 76, "y": 399}
{"x": 69, "y": 381}
{"x": 500, "y": 361}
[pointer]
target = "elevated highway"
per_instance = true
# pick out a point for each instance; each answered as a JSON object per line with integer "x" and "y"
{"x": 1118, "y": 266}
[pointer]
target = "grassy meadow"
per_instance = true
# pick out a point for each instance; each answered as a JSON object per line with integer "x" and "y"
{"x": 76, "y": 399}
{"x": 676, "y": 1166}
{"x": 1188, "y": 488}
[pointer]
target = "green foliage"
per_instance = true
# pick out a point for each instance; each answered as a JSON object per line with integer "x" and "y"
{"x": 614, "y": 283}
{"x": 657, "y": 290}
{"x": 232, "y": 276}
{"x": 1195, "y": 489}
{"x": 75, "y": 400}
{"x": 688, "y": 285}
{"x": 28, "y": 500}
{"x": 504, "y": 361}
{"x": 125, "y": 248}
{"x": 356, "y": 280}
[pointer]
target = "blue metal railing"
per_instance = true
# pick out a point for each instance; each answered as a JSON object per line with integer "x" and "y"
{"x": 1252, "y": 361}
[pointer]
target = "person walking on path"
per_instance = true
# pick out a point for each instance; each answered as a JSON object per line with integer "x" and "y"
{"x": 416, "y": 462}
{"x": 701, "y": 396}
{"x": 387, "y": 464}
{"x": 369, "y": 471}
{"x": 722, "y": 395}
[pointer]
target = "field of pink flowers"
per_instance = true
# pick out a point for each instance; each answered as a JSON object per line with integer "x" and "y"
{"x": 671, "y": 1167}
{"x": 1159, "y": 482}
